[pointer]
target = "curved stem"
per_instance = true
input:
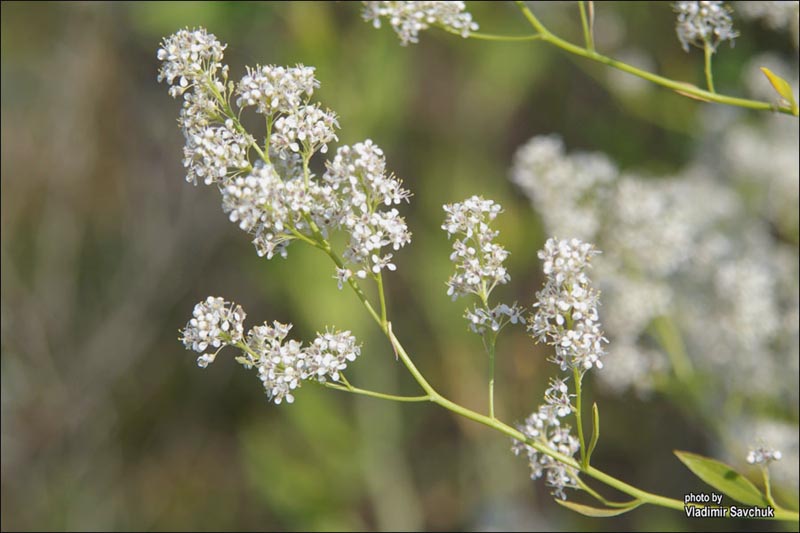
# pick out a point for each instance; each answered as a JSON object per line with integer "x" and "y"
{"x": 493, "y": 37}
{"x": 683, "y": 88}
{"x": 375, "y": 394}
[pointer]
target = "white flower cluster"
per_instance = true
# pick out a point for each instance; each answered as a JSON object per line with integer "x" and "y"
{"x": 410, "y": 18}
{"x": 358, "y": 176}
{"x": 704, "y": 23}
{"x": 211, "y": 151}
{"x": 191, "y": 58}
{"x": 565, "y": 317}
{"x": 307, "y": 129}
{"x": 566, "y": 308}
{"x": 545, "y": 426}
{"x": 191, "y": 62}
{"x": 214, "y": 323}
{"x": 277, "y": 200}
{"x": 273, "y": 89}
{"x": 763, "y": 455}
{"x": 282, "y": 365}
{"x": 479, "y": 261}
{"x": 483, "y": 319}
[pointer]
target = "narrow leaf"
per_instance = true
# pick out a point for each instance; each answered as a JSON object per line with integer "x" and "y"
{"x": 595, "y": 431}
{"x": 781, "y": 87}
{"x": 596, "y": 511}
{"x": 723, "y": 478}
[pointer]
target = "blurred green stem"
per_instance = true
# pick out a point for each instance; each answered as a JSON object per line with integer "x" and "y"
{"x": 709, "y": 52}
{"x": 670, "y": 339}
{"x": 588, "y": 36}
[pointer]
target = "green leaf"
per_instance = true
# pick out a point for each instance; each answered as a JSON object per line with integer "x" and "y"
{"x": 596, "y": 511}
{"x": 723, "y": 478}
{"x": 781, "y": 87}
{"x": 595, "y": 431}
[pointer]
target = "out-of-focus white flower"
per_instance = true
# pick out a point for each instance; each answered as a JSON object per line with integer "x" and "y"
{"x": 410, "y": 18}
{"x": 762, "y": 455}
{"x": 704, "y": 23}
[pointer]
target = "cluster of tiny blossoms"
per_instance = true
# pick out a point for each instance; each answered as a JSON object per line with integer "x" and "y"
{"x": 410, "y": 18}
{"x": 277, "y": 199}
{"x": 705, "y": 23}
{"x": 565, "y": 317}
{"x": 545, "y": 426}
{"x": 479, "y": 262}
{"x": 282, "y": 365}
{"x": 566, "y": 308}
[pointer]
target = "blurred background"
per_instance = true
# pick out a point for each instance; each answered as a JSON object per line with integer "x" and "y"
{"x": 107, "y": 423}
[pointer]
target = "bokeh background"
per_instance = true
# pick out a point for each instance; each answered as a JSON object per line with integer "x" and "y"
{"x": 106, "y": 420}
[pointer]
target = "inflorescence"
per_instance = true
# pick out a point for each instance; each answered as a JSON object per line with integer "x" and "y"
{"x": 479, "y": 263}
{"x": 566, "y": 318}
{"x": 410, "y": 18}
{"x": 706, "y": 23}
{"x": 277, "y": 199}
{"x": 282, "y": 365}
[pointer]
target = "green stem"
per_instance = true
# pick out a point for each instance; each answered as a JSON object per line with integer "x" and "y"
{"x": 768, "y": 486}
{"x": 708, "y": 51}
{"x": 587, "y": 32}
{"x": 379, "y": 279}
{"x": 491, "y": 351}
{"x": 578, "y": 377}
{"x": 493, "y": 37}
{"x": 683, "y": 88}
{"x": 375, "y": 394}
{"x": 582, "y": 484}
